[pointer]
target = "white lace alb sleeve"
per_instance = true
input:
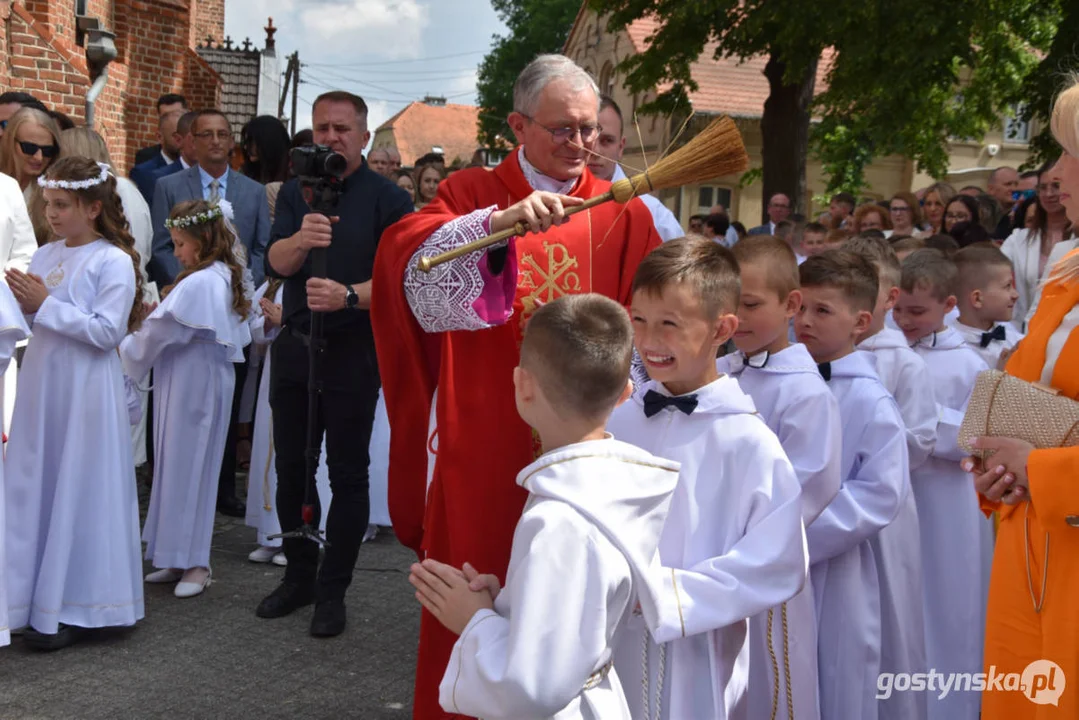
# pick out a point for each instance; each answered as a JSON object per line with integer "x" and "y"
{"x": 462, "y": 294}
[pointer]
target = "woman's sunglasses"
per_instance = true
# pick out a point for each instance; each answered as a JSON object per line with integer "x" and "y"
{"x": 30, "y": 149}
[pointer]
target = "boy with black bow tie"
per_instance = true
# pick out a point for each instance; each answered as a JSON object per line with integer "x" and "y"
{"x": 839, "y": 292}
{"x": 986, "y": 297}
{"x": 734, "y": 543}
{"x": 792, "y": 398}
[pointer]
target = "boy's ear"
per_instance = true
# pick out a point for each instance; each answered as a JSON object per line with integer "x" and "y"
{"x": 862, "y": 321}
{"x": 893, "y": 298}
{"x": 976, "y": 299}
{"x": 522, "y": 382}
{"x": 794, "y": 304}
{"x": 627, "y": 393}
{"x": 725, "y": 327}
{"x": 949, "y": 303}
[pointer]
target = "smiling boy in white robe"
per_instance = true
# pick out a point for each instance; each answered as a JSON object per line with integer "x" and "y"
{"x": 986, "y": 297}
{"x": 798, "y": 407}
{"x": 896, "y": 548}
{"x": 957, "y": 539}
{"x": 839, "y": 291}
{"x": 734, "y": 544}
{"x": 584, "y": 551}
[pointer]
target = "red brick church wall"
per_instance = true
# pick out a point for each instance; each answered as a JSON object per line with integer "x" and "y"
{"x": 154, "y": 40}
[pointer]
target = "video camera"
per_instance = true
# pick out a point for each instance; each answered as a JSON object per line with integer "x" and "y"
{"x": 319, "y": 170}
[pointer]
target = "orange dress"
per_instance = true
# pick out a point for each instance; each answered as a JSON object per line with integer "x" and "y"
{"x": 1016, "y": 634}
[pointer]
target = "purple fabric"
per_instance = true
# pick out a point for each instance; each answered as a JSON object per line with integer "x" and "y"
{"x": 495, "y": 303}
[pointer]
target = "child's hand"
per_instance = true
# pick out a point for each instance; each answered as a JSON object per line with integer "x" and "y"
{"x": 271, "y": 312}
{"x": 444, "y": 591}
{"x": 478, "y": 583}
{"x": 29, "y": 290}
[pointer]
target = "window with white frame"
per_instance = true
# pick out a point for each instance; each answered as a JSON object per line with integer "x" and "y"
{"x": 1016, "y": 129}
{"x": 708, "y": 196}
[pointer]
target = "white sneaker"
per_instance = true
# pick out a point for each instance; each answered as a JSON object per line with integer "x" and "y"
{"x": 280, "y": 559}
{"x": 191, "y": 589}
{"x": 168, "y": 575}
{"x": 263, "y": 554}
{"x": 371, "y": 534}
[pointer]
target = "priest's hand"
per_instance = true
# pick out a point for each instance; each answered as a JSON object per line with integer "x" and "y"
{"x": 445, "y": 593}
{"x": 1005, "y": 478}
{"x": 478, "y": 582}
{"x": 325, "y": 295}
{"x": 540, "y": 211}
{"x": 316, "y": 231}
{"x": 29, "y": 290}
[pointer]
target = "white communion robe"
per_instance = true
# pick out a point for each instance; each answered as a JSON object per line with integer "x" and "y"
{"x": 989, "y": 349}
{"x": 191, "y": 341}
{"x": 13, "y": 329}
{"x": 262, "y": 475}
{"x": 957, "y": 539}
{"x": 72, "y": 535}
{"x": 799, "y": 408}
{"x": 896, "y": 548}
{"x": 844, "y": 573}
{"x": 734, "y": 544}
{"x": 584, "y": 556}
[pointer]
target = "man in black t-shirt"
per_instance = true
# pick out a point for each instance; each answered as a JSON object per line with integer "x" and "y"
{"x": 369, "y": 204}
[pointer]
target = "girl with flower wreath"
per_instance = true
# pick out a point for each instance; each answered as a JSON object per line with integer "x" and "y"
{"x": 191, "y": 341}
{"x": 72, "y": 514}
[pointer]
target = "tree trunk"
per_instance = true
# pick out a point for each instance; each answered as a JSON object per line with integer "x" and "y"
{"x": 785, "y": 134}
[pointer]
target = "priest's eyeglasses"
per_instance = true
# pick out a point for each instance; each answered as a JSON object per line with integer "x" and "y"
{"x": 563, "y": 135}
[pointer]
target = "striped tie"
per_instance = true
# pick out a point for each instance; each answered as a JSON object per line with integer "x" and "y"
{"x": 215, "y": 191}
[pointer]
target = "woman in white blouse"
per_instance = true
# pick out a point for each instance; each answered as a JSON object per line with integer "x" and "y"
{"x": 1030, "y": 249}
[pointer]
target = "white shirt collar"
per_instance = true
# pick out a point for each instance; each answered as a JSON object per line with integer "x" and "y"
{"x": 184, "y": 163}
{"x": 539, "y": 181}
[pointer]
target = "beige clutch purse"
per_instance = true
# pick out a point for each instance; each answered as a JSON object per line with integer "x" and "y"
{"x": 1005, "y": 406}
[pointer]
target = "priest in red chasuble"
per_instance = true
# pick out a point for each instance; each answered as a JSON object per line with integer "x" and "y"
{"x": 448, "y": 341}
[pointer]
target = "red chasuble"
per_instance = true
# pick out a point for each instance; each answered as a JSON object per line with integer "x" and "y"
{"x": 473, "y": 504}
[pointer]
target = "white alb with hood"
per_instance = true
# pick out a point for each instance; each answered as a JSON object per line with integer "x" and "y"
{"x": 584, "y": 555}
{"x": 734, "y": 546}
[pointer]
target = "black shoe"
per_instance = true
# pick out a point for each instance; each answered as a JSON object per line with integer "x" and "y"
{"x": 64, "y": 636}
{"x": 286, "y": 599}
{"x": 329, "y": 618}
{"x": 232, "y": 507}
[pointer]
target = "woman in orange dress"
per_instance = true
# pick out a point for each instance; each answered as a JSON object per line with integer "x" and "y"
{"x": 1033, "y": 612}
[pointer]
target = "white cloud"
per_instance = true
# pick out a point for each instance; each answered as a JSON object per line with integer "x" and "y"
{"x": 389, "y": 28}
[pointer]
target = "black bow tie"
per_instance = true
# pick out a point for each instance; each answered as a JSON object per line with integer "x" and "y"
{"x": 997, "y": 333}
{"x": 654, "y": 402}
{"x": 825, "y": 369}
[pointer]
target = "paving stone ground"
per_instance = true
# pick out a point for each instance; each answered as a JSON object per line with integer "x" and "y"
{"x": 211, "y": 657}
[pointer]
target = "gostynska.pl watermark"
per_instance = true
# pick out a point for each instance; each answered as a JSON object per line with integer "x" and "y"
{"x": 1042, "y": 682}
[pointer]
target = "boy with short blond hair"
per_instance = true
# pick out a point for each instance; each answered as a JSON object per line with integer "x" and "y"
{"x": 986, "y": 297}
{"x": 897, "y": 547}
{"x": 957, "y": 539}
{"x": 749, "y": 555}
{"x": 584, "y": 551}
{"x": 839, "y": 292}
{"x": 798, "y": 407}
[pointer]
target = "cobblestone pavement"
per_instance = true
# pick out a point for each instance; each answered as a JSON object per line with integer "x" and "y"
{"x": 211, "y": 657}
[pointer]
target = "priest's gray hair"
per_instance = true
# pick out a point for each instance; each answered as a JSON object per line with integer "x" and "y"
{"x": 543, "y": 70}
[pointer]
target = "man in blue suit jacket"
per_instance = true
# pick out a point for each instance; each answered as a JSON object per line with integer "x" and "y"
{"x": 142, "y": 175}
{"x": 779, "y": 209}
{"x": 209, "y": 175}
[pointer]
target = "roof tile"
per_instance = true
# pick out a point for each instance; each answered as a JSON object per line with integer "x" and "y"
{"x": 421, "y": 127}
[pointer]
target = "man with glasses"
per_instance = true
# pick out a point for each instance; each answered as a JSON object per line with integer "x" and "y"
{"x": 211, "y": 179}
{"x": 448, "y": 341}
{"x": 779, "y": 209}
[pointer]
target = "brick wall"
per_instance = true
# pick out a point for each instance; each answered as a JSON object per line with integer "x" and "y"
{"x": 209, "y": 20}
{"x": 38, "y": 55}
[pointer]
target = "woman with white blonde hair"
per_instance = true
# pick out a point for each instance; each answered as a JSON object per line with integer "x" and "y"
{"x": 30, "y": 144}
{"x": 1035, "y": 577}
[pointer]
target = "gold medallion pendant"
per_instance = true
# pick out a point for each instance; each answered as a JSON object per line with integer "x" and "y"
{"x": 55, "y": 276}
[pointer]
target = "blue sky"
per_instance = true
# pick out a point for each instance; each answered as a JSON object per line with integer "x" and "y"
{"x": 390, "y": 52}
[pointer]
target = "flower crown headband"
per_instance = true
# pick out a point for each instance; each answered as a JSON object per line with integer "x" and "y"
{"x": 48, "y": 184}
{"x": 223, "y": 209}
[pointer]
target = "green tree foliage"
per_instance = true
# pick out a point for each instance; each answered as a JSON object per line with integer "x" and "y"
{"x": 535, "y": 27}
{"x": 904, "y": 75}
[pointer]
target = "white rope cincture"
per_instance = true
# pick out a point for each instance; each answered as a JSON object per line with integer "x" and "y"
{"x": 645, "y": 675}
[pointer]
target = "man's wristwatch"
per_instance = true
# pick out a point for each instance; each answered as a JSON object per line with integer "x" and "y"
{"x": 351, "y": 298}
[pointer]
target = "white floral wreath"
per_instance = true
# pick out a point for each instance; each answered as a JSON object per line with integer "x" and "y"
{"x": 223, "y": 209}
{"x": 75, "y": 184}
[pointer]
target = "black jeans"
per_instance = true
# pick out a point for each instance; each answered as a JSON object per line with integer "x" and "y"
{"x": 226, "y": 483}
{"x": 346, "y": 414}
